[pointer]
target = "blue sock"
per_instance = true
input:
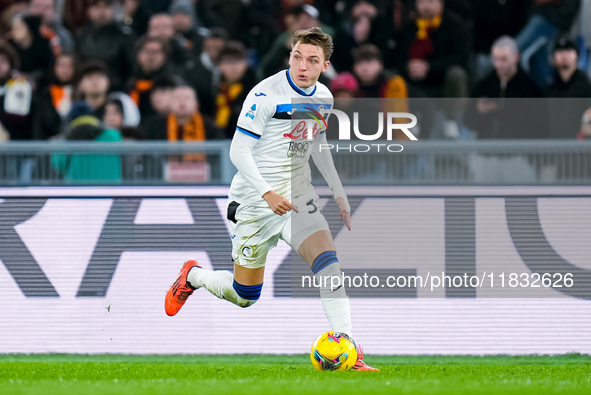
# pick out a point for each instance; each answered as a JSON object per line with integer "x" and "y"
{"x": 248, "y": 292}
{"x": 323, "y": 260}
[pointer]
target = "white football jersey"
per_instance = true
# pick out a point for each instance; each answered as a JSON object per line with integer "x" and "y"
{"x": 286, "y": 121}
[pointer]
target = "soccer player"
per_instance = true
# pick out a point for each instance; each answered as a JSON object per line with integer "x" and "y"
{"x": 271, "y": 196}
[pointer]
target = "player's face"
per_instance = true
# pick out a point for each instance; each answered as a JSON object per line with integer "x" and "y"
{"x": 306, "y": 63}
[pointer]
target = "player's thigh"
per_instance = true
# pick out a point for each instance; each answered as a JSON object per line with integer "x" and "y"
{"x": 254, "y": 232}
{"x": 308, "y": 232}
{"x": 316, "y": 244}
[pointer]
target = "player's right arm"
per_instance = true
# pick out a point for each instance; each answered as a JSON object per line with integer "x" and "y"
{"x": 256, "y": 112}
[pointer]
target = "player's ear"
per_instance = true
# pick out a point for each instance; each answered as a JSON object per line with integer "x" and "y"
{"x": 326, "y": 64}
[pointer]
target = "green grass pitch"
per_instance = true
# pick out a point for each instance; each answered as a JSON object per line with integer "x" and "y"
{"x": 292, "y": 374}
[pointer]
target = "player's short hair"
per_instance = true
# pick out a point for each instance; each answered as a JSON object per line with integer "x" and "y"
{"x": 314, "y": 36}
{"x": 506, "y": 42}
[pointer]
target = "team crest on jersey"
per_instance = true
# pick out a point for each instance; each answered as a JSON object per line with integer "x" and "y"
{"x": 251, "y": 112}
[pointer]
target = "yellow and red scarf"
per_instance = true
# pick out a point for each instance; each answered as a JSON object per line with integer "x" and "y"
{"x": 194, "y": 130}
{"x": 140, "y": 87}
{"x": 224, "y": 100}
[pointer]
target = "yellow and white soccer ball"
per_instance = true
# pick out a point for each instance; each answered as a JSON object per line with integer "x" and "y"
{"x": 333, "y": 351}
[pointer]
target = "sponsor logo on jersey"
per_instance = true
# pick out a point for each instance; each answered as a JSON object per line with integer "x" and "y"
{"x": 251, "y": 112}
{"x": 302, "y": 131}
{"x": 297, "y": 149}
{"x": 259, "y": 94}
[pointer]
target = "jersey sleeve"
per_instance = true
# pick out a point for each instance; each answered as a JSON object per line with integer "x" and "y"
{"x": 257, "y": 110}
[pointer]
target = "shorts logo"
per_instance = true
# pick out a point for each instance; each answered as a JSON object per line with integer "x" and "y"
{"x": 250, "y": 113}
{"x": 247, "y": 252}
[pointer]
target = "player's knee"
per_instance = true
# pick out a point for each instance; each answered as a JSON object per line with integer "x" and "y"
{"x": 248, "y": 294}
{"x": 325, "y": 260}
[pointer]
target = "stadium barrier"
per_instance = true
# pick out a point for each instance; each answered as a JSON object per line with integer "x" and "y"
{"x": 380, "y": 162}
{"x": 85, "y": 270}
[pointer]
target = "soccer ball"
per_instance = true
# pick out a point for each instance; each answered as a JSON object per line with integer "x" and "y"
{"x": 333, "y": 351}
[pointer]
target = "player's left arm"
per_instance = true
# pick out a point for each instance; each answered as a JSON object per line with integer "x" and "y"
{"x": 323, "y": 161}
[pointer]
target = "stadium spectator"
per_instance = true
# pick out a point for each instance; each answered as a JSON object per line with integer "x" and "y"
{"x": 184, "y": 122}
{"x": 236, "y": 81}
{"x": 227, "y": 14}
{"x": 160, "y": 26}
{"x": 361, "y": 28}
{"x": 60, "y": 38}
{"x": 185, "y": 26}
{"x": 570, "y": 94}
{"x": 585, "y": 131}
{"x": 345, "y": 89}
{"x": 92, "y": 89}
{"x": 74, "y": 14}
{"x": 120, "y": 112}
{"x": 344, "y": 86}
{"x": 33, "y": 50}
{"x": 301, "y": 16}
{"x": 508, "y": 78}
{"x": 570, "y": 81}
{"x": 113, "y": 114}
{"x": 203, "y": 74}
{"x": 85, "y": 168}
{"x": 493, "y": 19}
{"x": 548, "y": 18}
{"x": 54, "y": 102}
{"x": 151, "y": 63}
{"x": 503, "y": 107}
{"x": 161, "y": 94}
{"x": 263, "y": 18}
{"x": 8, "y": 10}
{"x": 433, "y": 52}
{"x": 15, "y": 96}
{"x": 135, "y": 16}
{"x": 107, "y": 40}
{"x": 374, "y": 80}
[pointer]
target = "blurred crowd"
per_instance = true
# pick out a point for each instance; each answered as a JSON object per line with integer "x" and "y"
{"x": 180, "y": 70}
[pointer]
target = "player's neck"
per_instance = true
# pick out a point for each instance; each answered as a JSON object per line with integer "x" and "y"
{"x": 307, "y": 90}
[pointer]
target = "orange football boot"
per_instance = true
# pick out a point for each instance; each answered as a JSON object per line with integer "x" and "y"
{"x": 360, "y": 365}
{"x": 179, "y": 291}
